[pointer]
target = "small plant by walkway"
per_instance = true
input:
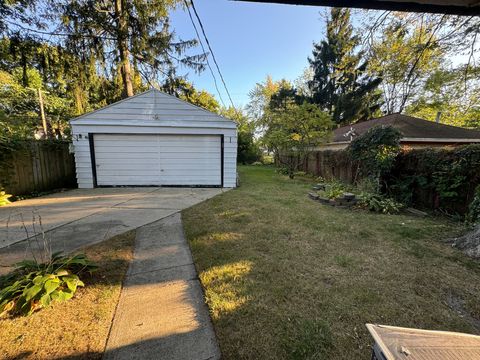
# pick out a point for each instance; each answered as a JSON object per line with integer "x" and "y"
{"x": 35, "y": 285}
{"x": 288, "y": 278}
{"x": 79, "y": 327}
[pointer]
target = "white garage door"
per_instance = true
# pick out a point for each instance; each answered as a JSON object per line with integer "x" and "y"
{"x": 157, "y": 159}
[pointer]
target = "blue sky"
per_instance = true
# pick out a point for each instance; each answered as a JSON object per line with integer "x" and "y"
{"x": 251, "y": 40}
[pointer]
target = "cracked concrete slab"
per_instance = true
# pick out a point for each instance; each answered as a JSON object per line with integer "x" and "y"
{"x": 74, "y": 219}
{"x": 161, "y": 313}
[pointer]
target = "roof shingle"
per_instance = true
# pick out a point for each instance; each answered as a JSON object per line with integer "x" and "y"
{"x": 411, "y": 127}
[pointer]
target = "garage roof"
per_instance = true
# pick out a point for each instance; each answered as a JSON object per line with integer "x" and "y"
{"x": 153, "y": 107}
{"x": 455, "y": 7}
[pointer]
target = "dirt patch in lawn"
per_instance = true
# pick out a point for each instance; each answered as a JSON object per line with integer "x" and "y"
{"x": 77, "y": 328}
{"x": 289, "y": 278}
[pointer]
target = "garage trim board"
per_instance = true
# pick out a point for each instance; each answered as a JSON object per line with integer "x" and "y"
{"x": 198, "y": 164}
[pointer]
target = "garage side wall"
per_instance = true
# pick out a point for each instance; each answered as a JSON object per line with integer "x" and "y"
{"x": 230, "y": 159}
{"x": 83, "y": 156}
{"x": 83, "y": 164}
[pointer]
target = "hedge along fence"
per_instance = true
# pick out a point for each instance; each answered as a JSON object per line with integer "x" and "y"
{"x": 437, "y": 178}
{"x": 35, "y": 166}
{"x": 431, "y": 178}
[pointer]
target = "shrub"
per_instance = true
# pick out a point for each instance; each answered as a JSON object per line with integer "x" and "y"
{"x": 379, "y": 203}
{"x": 334, "y": 189}
{"x": 4, "y": 198}
{"x": 473, "y": 215}
{"x": 436, "y": 178}
{"x": 282, "y": 170}
{"x": 375, "y": 151}
{"x": 32, "y": 286}
{"x": 267, "y": 159}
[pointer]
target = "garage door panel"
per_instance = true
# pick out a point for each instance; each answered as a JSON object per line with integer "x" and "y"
{"x": 123, "y": 149}
{"x": 128, "y": 173}
{"x": 138, "y": 164}
{"x": 190, "y": 149}
{"x": 158, "y": 159}
{"x": 130, "y": 138}
{"x": 126, "y": 156}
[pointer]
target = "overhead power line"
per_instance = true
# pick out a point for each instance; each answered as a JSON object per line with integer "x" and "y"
{"x": 211, "y": 51}
{"x": 55, "y": 33}
{"x": 203, "y": 49}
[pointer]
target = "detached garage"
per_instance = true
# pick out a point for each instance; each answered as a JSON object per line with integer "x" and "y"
{"x": 154, "y": 139}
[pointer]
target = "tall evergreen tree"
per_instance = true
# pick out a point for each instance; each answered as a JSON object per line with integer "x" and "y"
{"x": 131, "y": 38}
{"x": 340, "y": 84}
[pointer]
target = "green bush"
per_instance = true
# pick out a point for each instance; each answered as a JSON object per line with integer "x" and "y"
{"x": 375, "y": 151}
{"x": 283, "y": 170}
{"x": 267, "y": 159}
{"x": 4, "y": 198}
{"x": 473, "y": 215}
{"x": 334, "y": 189}
{"x": 32, "y": 286}
{"x": 379, "y": 203}
{"x": 436, "y": 178}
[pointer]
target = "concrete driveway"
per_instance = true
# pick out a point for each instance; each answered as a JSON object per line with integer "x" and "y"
{"x": 74, "y": 219}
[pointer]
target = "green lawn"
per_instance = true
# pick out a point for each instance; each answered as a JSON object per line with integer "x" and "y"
{"x": 287, "y": 277}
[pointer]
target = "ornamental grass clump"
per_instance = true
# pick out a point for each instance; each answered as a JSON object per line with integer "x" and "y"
{"x": 32, "y": 285}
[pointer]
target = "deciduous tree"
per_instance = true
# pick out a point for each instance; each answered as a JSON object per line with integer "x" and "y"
{"x": 295, "y": 132}
{"x": 404, "y": 55}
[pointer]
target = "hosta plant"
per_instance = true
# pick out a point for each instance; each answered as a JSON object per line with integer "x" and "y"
{"x": 32, "y": 286}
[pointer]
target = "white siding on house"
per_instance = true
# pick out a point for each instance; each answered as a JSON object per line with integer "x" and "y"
{"x": 161, "y": 115}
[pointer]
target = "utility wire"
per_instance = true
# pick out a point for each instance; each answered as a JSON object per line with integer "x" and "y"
{"x": 203, "y": 49}
{"x": 54, "y": 33}
{"x": 211, "y": 51}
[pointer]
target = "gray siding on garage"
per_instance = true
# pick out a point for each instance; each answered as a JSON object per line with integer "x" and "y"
{"x": 155, "y": 113}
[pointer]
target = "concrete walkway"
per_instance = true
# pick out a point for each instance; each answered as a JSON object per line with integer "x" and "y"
{"x": 161, "y": 313}
{"x": 77, "y": 218}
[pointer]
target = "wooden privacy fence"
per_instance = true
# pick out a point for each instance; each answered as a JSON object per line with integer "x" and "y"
{"x": 36, "y": 166}
{"x": 429, "y": 178}
{"x": 330, "y": 164}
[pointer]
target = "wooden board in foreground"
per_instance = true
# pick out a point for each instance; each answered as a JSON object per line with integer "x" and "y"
{"x": 398, "y": 343}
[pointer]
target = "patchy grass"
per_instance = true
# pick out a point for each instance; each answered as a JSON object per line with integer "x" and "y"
{"x": 77, "y": 328}
{"x": 288, "y": 278}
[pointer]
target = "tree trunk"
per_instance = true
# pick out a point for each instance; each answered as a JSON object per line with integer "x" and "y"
{"x": 122, "y": 36}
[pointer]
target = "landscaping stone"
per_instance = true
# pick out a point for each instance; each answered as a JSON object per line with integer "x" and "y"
{"x": 347, "y": 200}
{"x": 323, "y": 200}
{"x": 469, "y": 243}
{"x": 319, "y": 187}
